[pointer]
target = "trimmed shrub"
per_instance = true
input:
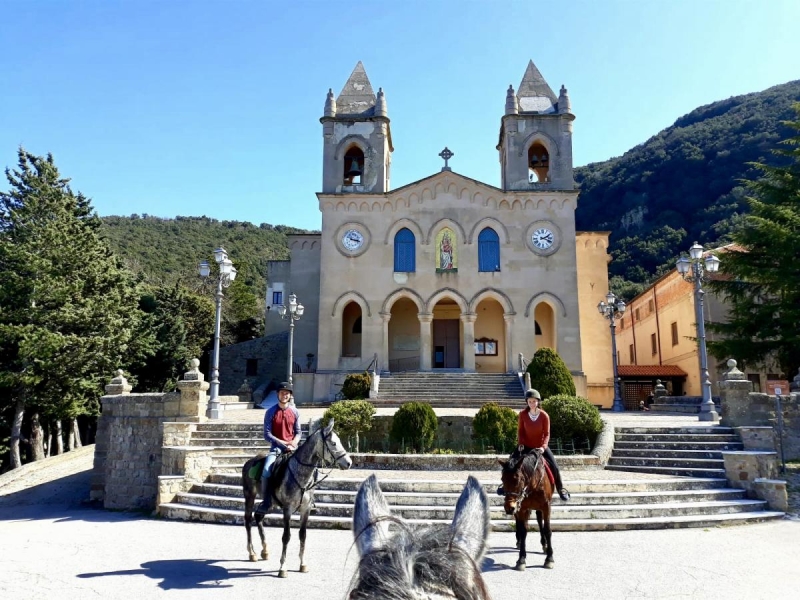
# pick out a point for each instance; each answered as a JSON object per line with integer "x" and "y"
{"x": 351, "y": 418}
{"x": 356, "y": 386}
{"x": 550, "y": 375}
{"x": 414, "y": 425}
{"x": 573, "y": 418}
{"x": 497, "y": 425}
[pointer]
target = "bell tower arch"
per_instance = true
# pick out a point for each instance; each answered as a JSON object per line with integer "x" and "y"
{"x": 357, "y": 139}
{"x": 536, "y": 137}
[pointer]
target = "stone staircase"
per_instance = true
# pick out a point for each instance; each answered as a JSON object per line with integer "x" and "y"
{"x": 673, "y": 451}
{"x": 680, "y": 404}
{"x": 667, "y": 502}
{"x": 450, "y": 389}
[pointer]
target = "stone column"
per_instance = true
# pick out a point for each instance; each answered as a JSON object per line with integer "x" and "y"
{"x": 468, "y": 351}
{"x": 117, "y": 386}
{"x": 734, "y": 391}
{"x": 509, "y": 321}
{"x": 386, "y": 317}
{"x": 425, "y": 340}
{"x": 194, "y": 400}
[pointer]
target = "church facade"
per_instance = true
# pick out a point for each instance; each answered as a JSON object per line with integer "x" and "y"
{"x": 446, "y": 272}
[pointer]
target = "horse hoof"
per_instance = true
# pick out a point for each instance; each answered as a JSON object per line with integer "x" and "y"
{"x": 282, "y": 573}
{"x": 549, "y": 564}
{"x": 519, "y": 567}
{"x": 304, "y": 568}
{"x": 253, "y": 558}
{"x": 264, "y": 555}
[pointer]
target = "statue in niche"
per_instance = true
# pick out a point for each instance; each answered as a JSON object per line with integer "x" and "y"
{"x": 446, "y": 256}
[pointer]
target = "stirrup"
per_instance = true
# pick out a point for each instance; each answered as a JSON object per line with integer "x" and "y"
{"x": 564, "y": 494}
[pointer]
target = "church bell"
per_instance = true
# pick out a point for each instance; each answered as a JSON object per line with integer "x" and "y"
{"x": 355, "y": 169}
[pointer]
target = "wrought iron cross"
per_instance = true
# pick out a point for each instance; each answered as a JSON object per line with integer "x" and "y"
{"x": 446, "y": 154}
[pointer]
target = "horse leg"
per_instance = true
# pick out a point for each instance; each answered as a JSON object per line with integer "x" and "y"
{"x": 249, "y": 501}
{"x": 260, "y": 523}
{"x": 287, "y": 515}
{"x": 304, "y": 513}
{"x": 548, "y": 561}
{"x": 522, "y": 533}
{"x": 542, "y": 539}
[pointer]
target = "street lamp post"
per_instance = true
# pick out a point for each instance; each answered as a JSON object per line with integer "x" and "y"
{"x": 293, "y": 312}
{"x": 226, "y": 275}
{"x": 693, "y": 270}
{"x": 611, "y": 309}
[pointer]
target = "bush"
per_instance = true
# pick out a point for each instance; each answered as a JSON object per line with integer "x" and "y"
{"x": 550, "y": 375}
{"x": 356, "y": 386}
{"x": 414, "y": 424}
{"x": 573, "y": 418}
{"x": 497, "y": 425}
{"x": 351, "y": 418}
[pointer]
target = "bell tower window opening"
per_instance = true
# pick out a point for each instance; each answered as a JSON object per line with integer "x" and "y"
{"x": 353, "y": 166}
{"x": 538, "y": 164}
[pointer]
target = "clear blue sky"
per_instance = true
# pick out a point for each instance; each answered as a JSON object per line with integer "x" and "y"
{"x": 212, "y": 108}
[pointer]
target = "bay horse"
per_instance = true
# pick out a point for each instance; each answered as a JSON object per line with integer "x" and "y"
{"x": 527, "y": 488}
{"x": 292, "y": 486}
{"x": 418, "y": 562}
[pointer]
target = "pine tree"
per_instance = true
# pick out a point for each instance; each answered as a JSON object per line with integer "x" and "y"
{"x": 68, "y": 310}
{"x": 760, "y": 274}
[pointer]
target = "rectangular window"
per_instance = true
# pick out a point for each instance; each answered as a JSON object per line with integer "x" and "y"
{"x": 755, "y": 379}
{"x": 251, "y": 367}
{"x": 651, "y": 306}
{"x": 653, "y": 343}
{"x": 618, "y": 361}
{"x": 674, "y": 333}
{"x": 277, "y": 297}
{"x": 633, "y": 354}
{"x": 622, "y": 323}
{"x": 638, "y": 318}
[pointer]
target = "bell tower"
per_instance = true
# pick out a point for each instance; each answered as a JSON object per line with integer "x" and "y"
{"x": 357, "y": 139}
{"x": 536, "y": 137}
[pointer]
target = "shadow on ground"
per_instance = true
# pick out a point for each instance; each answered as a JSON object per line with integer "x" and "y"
{"x": 186, "y": 574}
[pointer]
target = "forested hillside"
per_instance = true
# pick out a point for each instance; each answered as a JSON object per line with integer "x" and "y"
{"x": 683, "y": 184}
{"x": 167, "y": 251}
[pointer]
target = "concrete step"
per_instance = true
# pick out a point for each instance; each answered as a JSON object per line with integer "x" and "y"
{"x": 672, "y": 453}
{"x": 678, "y": 445}
{"x": 688, "y": 409}
{"x": 673, "y": 437}
{"x": 699, "y": 429}
{"x": 187, "y": 512}
{"x": 672, "y": 471}
{"x": 647, "y": 461}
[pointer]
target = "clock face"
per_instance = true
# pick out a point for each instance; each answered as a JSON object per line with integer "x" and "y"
{"x": 542, "y": 238}
{"x": 352, "y": 239}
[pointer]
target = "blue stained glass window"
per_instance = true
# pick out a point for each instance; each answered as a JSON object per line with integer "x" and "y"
{"x": 488, "y": 250}
{"x": 404, "y": 251}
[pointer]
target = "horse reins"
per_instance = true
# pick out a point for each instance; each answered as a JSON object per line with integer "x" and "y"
{"x": 315, "y": 466}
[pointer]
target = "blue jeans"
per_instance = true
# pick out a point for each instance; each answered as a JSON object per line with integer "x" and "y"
{"x": 269, "y": 461}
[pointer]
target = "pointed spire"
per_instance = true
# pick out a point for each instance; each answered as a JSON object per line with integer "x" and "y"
{"x": 534, "y": 94}
{"x": 356, "y": 97}
{"x": 512, "y": 106}
{"x": 563, "y": 101}
{"x": 380, "y": 105}
{"x": 330, "y": 104}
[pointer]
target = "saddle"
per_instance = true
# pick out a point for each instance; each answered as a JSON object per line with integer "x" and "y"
{"x": 278, "y": 469}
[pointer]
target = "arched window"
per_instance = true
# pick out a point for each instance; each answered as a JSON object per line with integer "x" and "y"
{"x": 488, "y": 250}
{"x": 404, "y": 251}
{"x": 538, "y": 164}
{"x": 353, "y": 166}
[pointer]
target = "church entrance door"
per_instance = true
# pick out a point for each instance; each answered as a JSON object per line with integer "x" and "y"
{"x": 446, "y": 344}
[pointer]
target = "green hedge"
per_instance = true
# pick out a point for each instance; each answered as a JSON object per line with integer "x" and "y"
{"x": 414, "y": 426}
{"x": 497, "y": 425}
{"x": 356, "y": 386}
{"x": 351, "y": 418}
{"x": 550, "y": 375}
{"x": 573, "y": 418}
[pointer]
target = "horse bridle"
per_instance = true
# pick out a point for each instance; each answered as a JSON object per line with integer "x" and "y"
{"x": 334, "y": 458}
{"x": 520, "y": 496}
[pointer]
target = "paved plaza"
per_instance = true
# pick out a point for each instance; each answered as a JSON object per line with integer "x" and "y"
{"x": 54, "y": 546}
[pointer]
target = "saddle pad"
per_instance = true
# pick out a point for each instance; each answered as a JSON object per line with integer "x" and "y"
{"x": 549, "y": 472}
{"x": 256, "y": 469}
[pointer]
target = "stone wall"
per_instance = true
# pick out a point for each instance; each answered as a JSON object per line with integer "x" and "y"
{"x": 130, "y": 437}
{"x": 271, "y": 352}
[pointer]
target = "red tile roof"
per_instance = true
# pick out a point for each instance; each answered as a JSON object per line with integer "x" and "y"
{"x": 650, "y": 371}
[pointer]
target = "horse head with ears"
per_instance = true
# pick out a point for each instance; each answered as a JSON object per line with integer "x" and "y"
{"x": 417, "y": 563}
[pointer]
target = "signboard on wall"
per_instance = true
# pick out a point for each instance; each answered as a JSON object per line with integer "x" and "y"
{"x": 777, "y": 384}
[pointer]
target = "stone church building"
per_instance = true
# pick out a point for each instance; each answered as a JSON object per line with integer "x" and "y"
{"x": 446, "y": 272}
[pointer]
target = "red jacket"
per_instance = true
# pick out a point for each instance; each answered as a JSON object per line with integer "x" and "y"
{"x": 533, "y": 434}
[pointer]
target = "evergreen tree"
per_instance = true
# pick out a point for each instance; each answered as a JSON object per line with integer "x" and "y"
{"x": 68, "y": 310}
{"x": 549, "y": 374}
{"x": 760, "y": 274}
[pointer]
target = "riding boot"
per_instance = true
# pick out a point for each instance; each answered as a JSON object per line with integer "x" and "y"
{"x": 266, "y": 498}
{"x": 562, "y": 491}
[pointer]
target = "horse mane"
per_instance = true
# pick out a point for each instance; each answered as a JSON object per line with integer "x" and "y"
{"x": 417, "y": 562}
